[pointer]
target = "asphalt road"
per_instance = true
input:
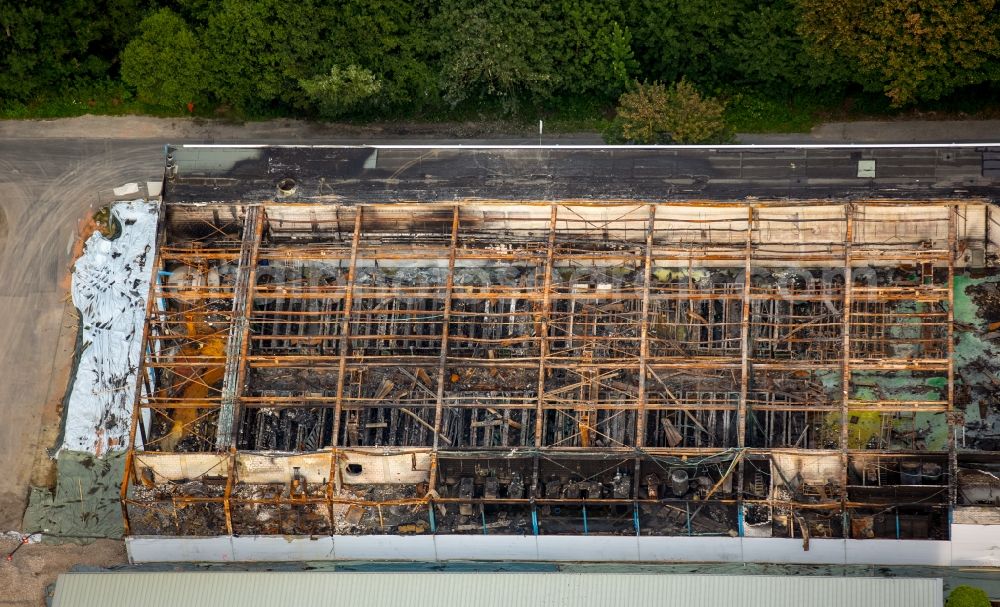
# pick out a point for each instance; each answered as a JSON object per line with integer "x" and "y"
{"x": 46, "y": 188}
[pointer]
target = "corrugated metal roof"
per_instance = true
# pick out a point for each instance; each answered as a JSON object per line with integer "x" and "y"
{"x": 308, "y": 589}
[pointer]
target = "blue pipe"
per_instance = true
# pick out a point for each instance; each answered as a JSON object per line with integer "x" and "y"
{"x": 430, "y": 515}
{"x": 687, "y": 507}
{"x": 635, "y": 518}
{"x": 585, "y": 519}
{"x": 482, "y": 511}
{"x": 534, "y": 520}
{"x": 739, "y": 520}
{"x": 897, "y": 523}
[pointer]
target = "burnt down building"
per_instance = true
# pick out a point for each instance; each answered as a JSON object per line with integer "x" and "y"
{"x": 730, "y": 342}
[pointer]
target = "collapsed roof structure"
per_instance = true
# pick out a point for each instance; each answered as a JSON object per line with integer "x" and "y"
{"x": 563, "y": 341}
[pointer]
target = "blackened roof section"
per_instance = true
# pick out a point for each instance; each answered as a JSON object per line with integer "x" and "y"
{"x": 388, "y": 174}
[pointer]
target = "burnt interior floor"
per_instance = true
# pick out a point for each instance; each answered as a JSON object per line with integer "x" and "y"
{"x": 564, "y": 368}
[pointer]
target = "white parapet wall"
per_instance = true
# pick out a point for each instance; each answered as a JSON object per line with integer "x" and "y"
{"x": 971, "y": 546}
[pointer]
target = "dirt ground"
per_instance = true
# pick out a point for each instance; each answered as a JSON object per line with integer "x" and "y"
{"x": 177, "y": 130}
{"x": 24, "y": 579}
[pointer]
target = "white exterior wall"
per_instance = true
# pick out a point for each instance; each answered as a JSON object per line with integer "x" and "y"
{"x": 971, "y": 546}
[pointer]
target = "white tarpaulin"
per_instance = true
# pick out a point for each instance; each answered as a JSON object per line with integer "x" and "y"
{"x": 110, "y": 285}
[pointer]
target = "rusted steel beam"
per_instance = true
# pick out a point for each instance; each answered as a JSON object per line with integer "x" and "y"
{"x": 745, "y": 364}
{"x": 792, "y": 257}
{"x": 952, "y": 414}
{"x": 177, "y": 499}
{"x": 165, "y": 405}
{"x": 543, "y": 339}
{"x": 625, "y": 453}
{"x": 507, "y": 342}
{"x": 432, "y": 479}
{"x": 524, "y": 362}
{"x": 624, "y": 363}
{"x": 845, "y": 375}
{"x": 494, "y": 293}
{"x": 892, "y": 404}
{"x": 741, "y": 414}
{"x": 403, "y": 206}
{"x": 933, "y": 364}
{"x": 446, "y": 318}
{"x": 227, "y": 496}
{"x": 647, "y": 274}
{"x": 123, "y": 490}
{"x": 927, "y": 293}
{"x": 200, "y": 255}
{"x": 345, "y": 328}
{"x": 236, "y": 345}
{"x": 278, "y": 402}
{"x": 166, "y": 361}
{"x": 334, "y": 484}
{"x": 189, "y": 296}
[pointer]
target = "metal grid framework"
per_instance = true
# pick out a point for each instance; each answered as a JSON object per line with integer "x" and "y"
{"x": 422, "y": 368}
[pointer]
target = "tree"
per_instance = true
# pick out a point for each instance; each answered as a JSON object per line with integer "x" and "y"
{"x": 51, "y": 47}
{"x": 685, "y": 38}
{"x": 967, "y": 596}
{"x": 261, "y": 49}
{"x": 393, "y": 40}
{"x": 765, "y": 49}
{"x": 342, "y": 90}
{"x": 109, "y": 37}
{"x": 165, "y": 63}
{"x": 654, "y": 113}
{"x": 196, "y": 11}
{"x": 615, "y": 63}
{"x": 912, "y": 49}
{"x": 22, "y": 60}
{"x": 495, "y": 49}
{"x": 591, "y": 49}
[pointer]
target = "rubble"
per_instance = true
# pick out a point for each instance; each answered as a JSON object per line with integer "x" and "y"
{"x": 765, "y": 368}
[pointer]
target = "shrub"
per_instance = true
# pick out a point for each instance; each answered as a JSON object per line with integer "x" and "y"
{"x": 341, "y": 91}
{"x": 967, "y": 596}
{"x": 655, "y": 113}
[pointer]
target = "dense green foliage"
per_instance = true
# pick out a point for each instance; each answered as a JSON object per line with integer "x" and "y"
{"x": 911, "y": 49}
{"x": 967, "y": 596}
{"x": 341, "y": 91}
{"x": 368, "y": 59}
{"x": 166, "y": 39}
